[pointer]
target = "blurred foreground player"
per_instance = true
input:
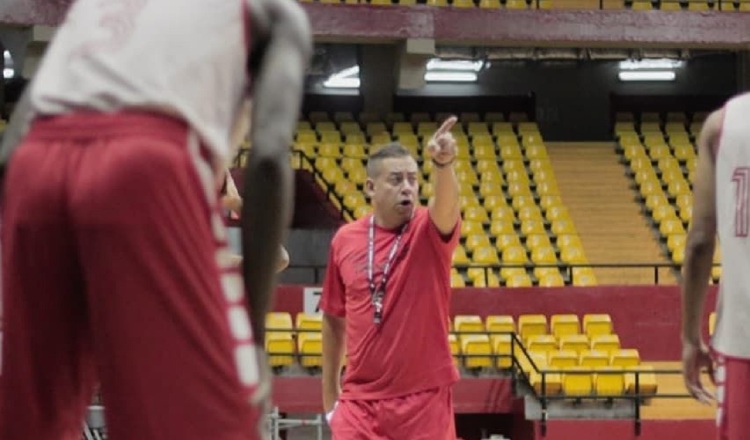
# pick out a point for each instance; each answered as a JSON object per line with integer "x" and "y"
{"x": 115, "y": 259}
{"x": 721, "y": 204}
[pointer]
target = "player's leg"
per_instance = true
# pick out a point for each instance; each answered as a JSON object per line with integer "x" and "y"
{"x": 173, "y": 337}
{"x": 426, "y": 415}
{"x": 733, "y": 395}
{"x": 47, "y": 371}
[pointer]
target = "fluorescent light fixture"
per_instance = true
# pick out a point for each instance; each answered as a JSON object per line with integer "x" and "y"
{"x": 659, "y": 63}
{"x": 653, "y": 75}
{"x": 345, "y": 79}
{"x": 8, "y": 73}
{"x": 454, "y": 65}
{"x": 450, "y": 77}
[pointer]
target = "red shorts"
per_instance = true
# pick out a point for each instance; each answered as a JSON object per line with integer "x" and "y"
{"x": 113, "y": 273}
{"x": 733, "y": 395}
{"x": 427, "y": 415}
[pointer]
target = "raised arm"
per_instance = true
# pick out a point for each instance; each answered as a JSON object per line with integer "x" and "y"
{"x": 699, "y": 252}
{"x": 444, "y": 206}
{"x": 280, "y": 53}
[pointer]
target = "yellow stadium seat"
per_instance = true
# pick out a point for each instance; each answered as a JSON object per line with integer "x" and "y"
{"x": 562, "y": 359}
{"x": 564, "y": 324}
{"x": 669, "y": 227}
{"x": 491, "y": 185}
{"x": 563, "y": 226}
{"x": 597, "y": 324}
{"x": 655, "y": 200}
{"x": 476, "y": 350}
{"x": 476, "y": 214}
{"x": 518, "y": 280}
{"x": 530, "y": 325}
{"x": 554, "y": 213}
{"x": 521, "y": 201}
{"x": 475, "y": 241}
{"x": 309, "y": 347}
{"x": 608, "y": 381}
{"x": 455, "y": 347}
{"x": 646, "y": 380}
{"x": 574, "y": 342}
{"x": 568, "y": 240}
{"x": 504, "y": 213}
{"x": 494, "y": 201}
{"x": 502, "y": 348}
{"x": 548, "y": 201}
{"x": 577, "y": 382}
{"x": 279, "y": 322}
{"x": 489, "y": 4}
{"x": 510, "y": 272}
{"x": 459, "y": 256}
{"x": 592, "y": 358}
{"x": 536, "y": 151}
{"x": 698, "y": 5}
{"x": 468, "y": 323}
{"x": 504, "y": 241}
{"x": 514, "y": 255}
{"x": 484, "y": 152}
{"x": 502, "y": 227}
{"x": 532, "y": 226}
{"x": 543, "y": 255}
{"x": 530, "y": 212}
{"x": 551, "y": 280}
{"x": 500, "y": 324}
{"x": 485, "y": 255}
{"x": 456, "y": 279}
{"x": 573, "y": 255}
{"x": 625, "y": 358}
{"x": 280, "y": 349}
{"x": 538, "y": 240}
{"x": 470, "y": 227}
{"x": 583, "y": 276}
{"x": 308, "y": 321}
{"x": 605, "y": 343}
{"x": 541, "y": 343}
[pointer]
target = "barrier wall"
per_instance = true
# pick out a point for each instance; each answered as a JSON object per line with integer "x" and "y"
{"x": 645, "y": 317}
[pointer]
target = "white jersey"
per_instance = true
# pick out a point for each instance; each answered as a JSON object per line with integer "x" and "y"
{"x": 184, "y": 58}
{"x": 732, "y": 332}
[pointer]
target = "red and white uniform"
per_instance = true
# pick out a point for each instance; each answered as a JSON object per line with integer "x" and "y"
{"x": 116, "y": 268}
{"x": 732, "y": 333}
{"x": 407, "y": 357}
{"x": 186, "y": 59}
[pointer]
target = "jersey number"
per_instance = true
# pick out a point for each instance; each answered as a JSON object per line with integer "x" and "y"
{"x": 741, "y": 178}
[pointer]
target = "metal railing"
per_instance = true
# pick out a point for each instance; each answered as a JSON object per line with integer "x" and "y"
{"x": 318, "y": 271}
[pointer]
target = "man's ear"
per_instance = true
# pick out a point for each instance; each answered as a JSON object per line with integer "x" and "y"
{"x": 369, "y": 187}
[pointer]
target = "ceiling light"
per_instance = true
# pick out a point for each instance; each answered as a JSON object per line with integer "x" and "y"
{"x": 661, "y": 63}
{"x": 454, "y": 65}
{"x": 450, "y": 77}
{"x": 653, "y": 75}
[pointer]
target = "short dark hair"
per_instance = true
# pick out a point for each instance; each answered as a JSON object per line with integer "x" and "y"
{"x": 387, "y": 151}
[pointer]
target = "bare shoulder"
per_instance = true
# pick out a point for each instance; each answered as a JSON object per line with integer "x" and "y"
{"x": 711, "y": 131}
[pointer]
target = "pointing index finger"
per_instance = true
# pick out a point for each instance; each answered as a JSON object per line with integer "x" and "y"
{"x": 447, "y": 126}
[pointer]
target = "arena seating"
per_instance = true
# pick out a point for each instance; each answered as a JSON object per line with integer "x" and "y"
{"x": 516, "y": 231}
{"x": 637, "y": 5}
{"x": 574, "y": 356}
{"x": 661, "y": 155}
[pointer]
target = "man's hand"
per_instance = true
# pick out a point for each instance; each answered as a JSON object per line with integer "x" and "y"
{"x": 695, "y": 357}
{"x": 442, "y": 147}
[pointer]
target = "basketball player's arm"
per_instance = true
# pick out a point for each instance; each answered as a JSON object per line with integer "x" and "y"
{"x": 699, "y": 251}
{"x": 444, "y": 206}
{"x": 16, "y": 129}
{"x": 333, "y": 353}
{"x": 279, "y": 56}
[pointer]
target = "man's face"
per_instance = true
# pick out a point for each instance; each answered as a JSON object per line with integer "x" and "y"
{"x": 394, "y": 190}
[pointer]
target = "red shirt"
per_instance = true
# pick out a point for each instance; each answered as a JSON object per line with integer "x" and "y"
{"x": 408, "y": 352}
